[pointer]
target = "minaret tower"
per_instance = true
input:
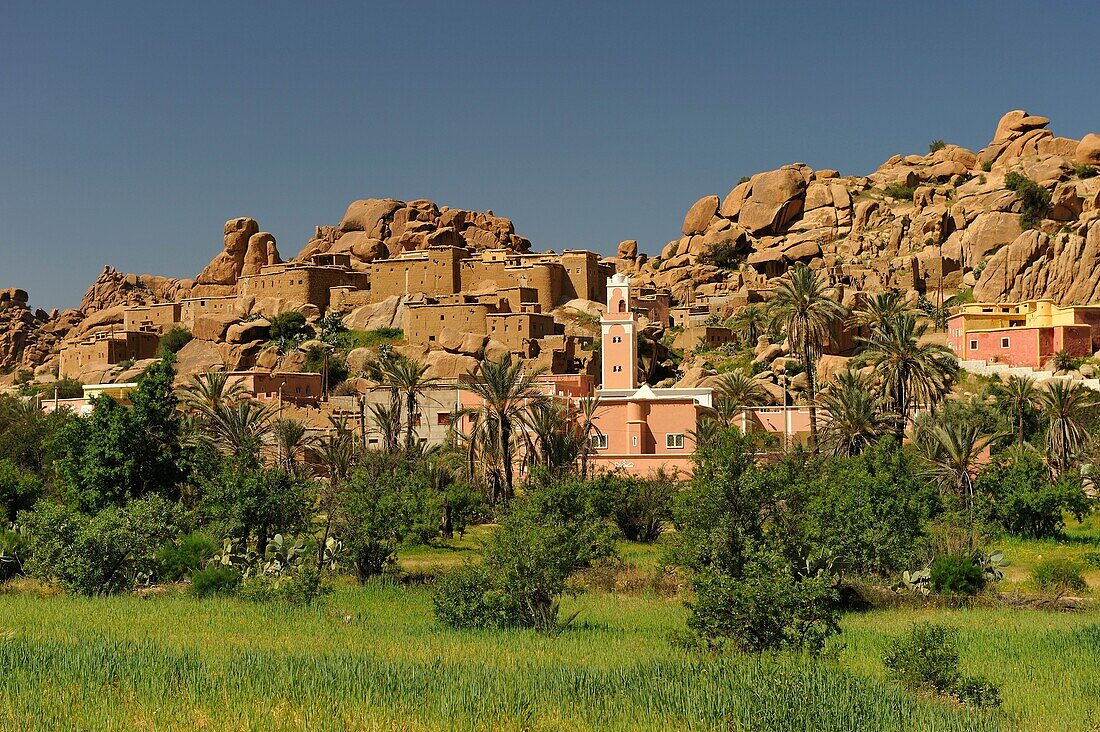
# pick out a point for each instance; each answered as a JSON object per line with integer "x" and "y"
{"x": 620, "y": 337}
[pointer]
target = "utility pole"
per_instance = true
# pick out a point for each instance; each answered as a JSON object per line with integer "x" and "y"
{"x": 362, "y": 421}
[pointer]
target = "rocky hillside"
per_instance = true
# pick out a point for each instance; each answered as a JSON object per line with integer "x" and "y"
{"x": 1016, "y": 219}
{"x": 950, "y": 219}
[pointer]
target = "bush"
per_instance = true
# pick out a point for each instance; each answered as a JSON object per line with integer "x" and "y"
{"x": 927, "y": 659}
{"x": 640, "y": 507}
{"x": 987, "y": 166}
{"x": 753, "y": 586}
{"x": 380, "y": 511}
{"x": 214, "y": 581}
{"x": 19, "y": 489}
{"x": 1084, "y": 170}
{"x": 867, "y": 513}
{"x": 172, "y": 340}
{"x": 1034, "y": 199}
{"x": 111, "y": 551}
{"x": 289, "y": 329}
{"x": 766, "y": 606}
{"x": 956, "y": 574}
{"x": 551, "y": 531}
{"x": 297, "y": 588}
{"x": 725, "y": 254}
{"x": 900, "y": 191}
{"x": 176, "y": 560}
{"x": 466, "y": 598}
{"x": 1059, "y": 576}
{"x": 936, "y": 145}
{"x": 1018, "y": 496}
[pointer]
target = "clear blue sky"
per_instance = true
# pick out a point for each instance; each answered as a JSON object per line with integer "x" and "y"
{"x": 129, "y": 132}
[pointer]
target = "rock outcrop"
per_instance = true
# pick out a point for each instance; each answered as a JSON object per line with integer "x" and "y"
{"x": 376, "y": 228}
{"x": 941, "y": 221}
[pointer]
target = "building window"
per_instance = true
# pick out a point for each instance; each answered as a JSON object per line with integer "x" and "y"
{"x": 634, "y": 440}
{"x": 674, "y": 441}
{"x": 1004, "y": 343}
{"x": 599, "y": 442}
{"x": 973, "y": 345}
{"x": 416, "y": 420}
{"x": 616, "y": 339}
{"x": 443, "y": 418}
{"x": 616, "y": 369}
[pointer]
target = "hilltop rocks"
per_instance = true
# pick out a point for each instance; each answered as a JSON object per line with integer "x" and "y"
{"x": 226, "y": 267}
{"x": 1088, "y": 150}
{"x": 377, "y": 228}
{"x": 773, "y": 199}
{"x": 627, "y": 249}
{"x": 113, "y": 289}
{"x": 261, "y": 251}
{"x": 699, "y": 215}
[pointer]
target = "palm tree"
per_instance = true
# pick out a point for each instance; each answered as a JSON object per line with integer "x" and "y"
{"x": 387, "y": 420}
{"x": 207, "y": 392}
{"x": 554, "y": 436}
{"x": 735, "y": 391}
{"x": 1064, "y": 403}
{"x": 909, "y": 371}
{"x": 808, "y": 311}
{"x": 505, "y": 391}
{"x": 407, "y": 378}
{"x": 749, "y": 323}
{"x": 1019, "y": 395}
{"x": 290, "y": 438}
{"x": 952, "y": 450}
{"x": 588, "y": 409}
{"x": 878, "y": 313}
{"x": 240, "y": 428}
{"x": 855, "y": 417}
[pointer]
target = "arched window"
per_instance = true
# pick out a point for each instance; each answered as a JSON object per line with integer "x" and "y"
{"x": 622, "y": 306}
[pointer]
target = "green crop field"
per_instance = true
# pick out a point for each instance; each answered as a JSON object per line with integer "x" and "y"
{"x": 373, "y": 657}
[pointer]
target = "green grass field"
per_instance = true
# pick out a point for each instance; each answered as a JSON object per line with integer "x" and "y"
{"x": 373, "y": 657}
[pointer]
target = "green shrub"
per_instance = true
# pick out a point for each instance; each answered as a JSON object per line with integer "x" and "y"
{"x": 189, "y": 553}
{"x": 380, "y": 511}
{"x": 1059, "y": 575}
{"x": 19, "y": 489}
{"x": 927, "y": 659}
{"x": 214, "y": 581}
{"x": 726, "y": 254}
{"x": 1034, "y": 199}
{"x": 1018, "y": 496}
{"x": 1084, "y": 170}
{"x": 900, "y": 191}
{"x": 111, "y": 551}
{"x": 551, "y": 531}
{"x": 957, "y": 575}
{"x": 466, "y": 598}
{"x": 172, "y": 340}
{"x": 936, "y": 145}
{"x": 297, "y": 588}
{"x": 1092, "y": 559}
{"x": 987, "y": 166}
{"x": 754, "y": 588}
{"x": 289, "y": 329}
{"x": 767, "y": 605}
{"x": 640, "y": 507}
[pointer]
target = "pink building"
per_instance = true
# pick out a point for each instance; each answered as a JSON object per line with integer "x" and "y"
{"x": 1023, "y": 334}
{"x": 641, "y": 429}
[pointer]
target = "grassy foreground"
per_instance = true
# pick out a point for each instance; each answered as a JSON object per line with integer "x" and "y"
{"x": 373, "y": 658}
